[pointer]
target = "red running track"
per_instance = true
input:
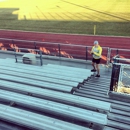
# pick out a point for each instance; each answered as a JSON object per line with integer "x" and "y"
{"x": 87, "y": 40}
{"x": 106, "y": 41}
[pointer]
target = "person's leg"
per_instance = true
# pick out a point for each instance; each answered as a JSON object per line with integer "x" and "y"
{"x": 97, "y": 67}
{"x": 98, "y": 70}
{"x": 93, "y": 64}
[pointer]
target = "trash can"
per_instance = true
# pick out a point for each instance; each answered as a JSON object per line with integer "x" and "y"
{"x": 29, "y": 58}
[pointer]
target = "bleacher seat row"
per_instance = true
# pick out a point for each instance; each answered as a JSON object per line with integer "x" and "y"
{"x": 47, "y": 88}
{"x": 54, "y": 107}
{"x": 35, "y": 121}
{"x": 56, "y": 96}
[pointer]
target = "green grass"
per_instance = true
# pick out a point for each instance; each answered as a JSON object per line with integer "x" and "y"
{"x": 60, "y": 16}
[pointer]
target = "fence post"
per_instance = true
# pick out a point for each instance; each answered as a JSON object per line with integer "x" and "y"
{"x": 15, "y": 55}
{"x": 117, "y": 52}
{"x": 86, "y": 53}
{"x": 108, "y": 56}
{"x": 116, "y": 60}
{"x": 13, "y": 45}
{"x": 12, "y": 42}
{"x": 41, "y": 58}
{"x": 35, "y": 45}
{"x": 59, "y": 50}
{"x": 115, "y": 76}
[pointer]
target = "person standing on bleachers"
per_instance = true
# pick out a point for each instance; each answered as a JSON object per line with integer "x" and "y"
{"x": 96, "y": 53}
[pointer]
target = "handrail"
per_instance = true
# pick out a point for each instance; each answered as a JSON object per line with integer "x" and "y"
{"x": 48, "y": 42}
{"x": 120, "y": 49}
{"x": 40, "y": 53}
{"x": 108, "y": 51}
{"x": 29, "y": 49}
{"x": 123, "y": 59}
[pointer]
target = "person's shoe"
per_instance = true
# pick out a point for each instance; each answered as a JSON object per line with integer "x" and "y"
{"x": 97, "y": 76}
{"x": 93, "y": 70}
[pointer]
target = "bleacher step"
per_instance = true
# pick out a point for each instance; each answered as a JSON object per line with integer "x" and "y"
{"x": 54, "y": 108}
{"x": 35, "y": 121}
{"x": 41, "y": 84}
{"x": 57, "y": 96}
{"x": 40, "y": 78}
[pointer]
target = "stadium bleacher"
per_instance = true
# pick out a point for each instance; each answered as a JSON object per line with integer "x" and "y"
{"x": 62, "y": 93}
{"x": 34, "y": 121}
{"x": 19, "y": 82}
{"x": 88, "y": 103}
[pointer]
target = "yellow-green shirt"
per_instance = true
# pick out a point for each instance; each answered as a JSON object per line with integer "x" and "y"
{"x": 97, "y": 51}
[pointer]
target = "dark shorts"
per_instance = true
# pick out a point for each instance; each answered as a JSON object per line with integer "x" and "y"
{"x": 97, "y": 61}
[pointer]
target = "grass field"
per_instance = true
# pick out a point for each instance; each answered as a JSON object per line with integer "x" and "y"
{"x": 64, "y": 16}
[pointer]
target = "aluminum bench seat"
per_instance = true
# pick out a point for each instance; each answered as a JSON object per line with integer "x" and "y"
{"x": 57, "y": 96}
{"x": 40, "y": 78}
{"x": 47, "y": 85}
{"x": 54, "y": 107}
{"x": 34, "y": 121}
{"x": 69, "y": 73}
{"x": 68, "y": 76}
{"x": 12, "y": 61}
{"x": 70, "y": 68}
{"x": 50, "y": 70}
{"x": 38, "y": 72}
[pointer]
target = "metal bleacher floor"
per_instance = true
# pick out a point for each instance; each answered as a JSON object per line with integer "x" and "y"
{"x": 60, "y": 95}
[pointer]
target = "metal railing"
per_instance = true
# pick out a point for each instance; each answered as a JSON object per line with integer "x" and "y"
{"x": 37, "y": 53}
{"x": 63, "y": 50}
{"x": 123, "y": 53}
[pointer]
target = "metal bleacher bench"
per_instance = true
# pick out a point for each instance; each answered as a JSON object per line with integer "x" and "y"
{"x": 47, "y": 85}
{"x": 77, "y": 73}
{"x": 19, "y": 73}
{"x": 39, "y": 72}
{"x": 19, "y": 81}
{"x": 70, "y": 68}
{"x": 53, "y": 108}
{"x": 38, "y": 77}
{"x": 70, "y": 99}
{"x": 80, "y": 72}
{"x": 35, "y": 121}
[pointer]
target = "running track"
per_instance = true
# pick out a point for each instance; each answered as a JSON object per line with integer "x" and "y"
{"x": 106, "y": 41}
{"x": 87, "y": 40}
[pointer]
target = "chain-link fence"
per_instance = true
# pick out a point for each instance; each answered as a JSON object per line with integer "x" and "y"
{"x": 120, "y": 78}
